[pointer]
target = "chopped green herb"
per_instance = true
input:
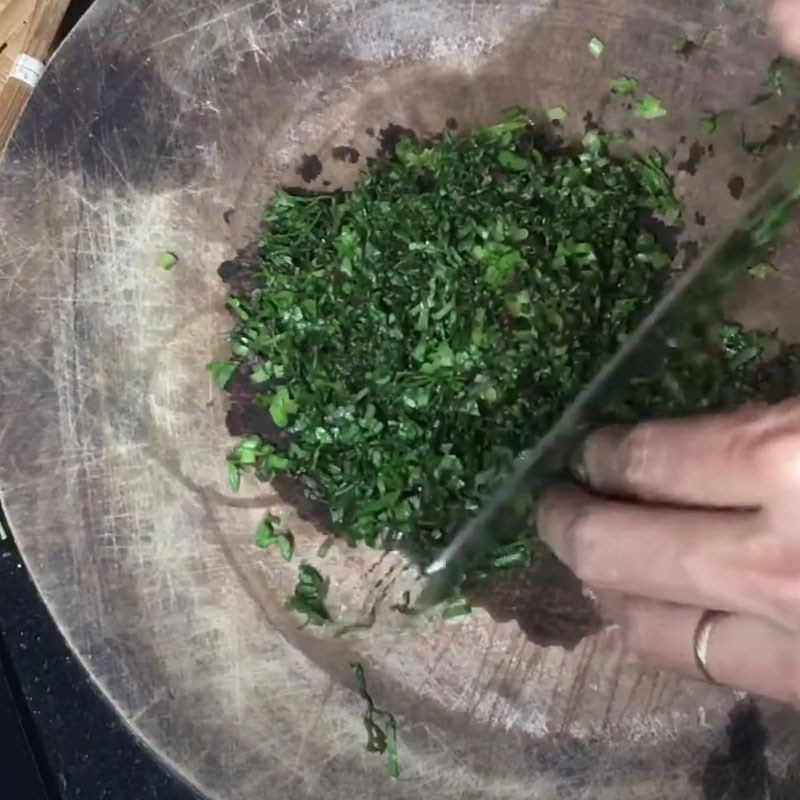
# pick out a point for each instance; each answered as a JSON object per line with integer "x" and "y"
{"x": 596, "y": 47}
{"x": 457, "y": 610}
{"x": 650, "y": 107}
{"x": 380, "y": 725}
{"x": 624, "y": 85}
{"x": 762, "y": 271}
{"x": 775, "y": 79}
{"x": 309, "y": 596}
{"x": 712, "y": 122}
{"x": 281, "y": 407}
{"x": 167, "y": 261}
{"x": 557, "y": 114}
{"x": 619, "y": 137}
{"x": 431, "y": 324}
{"x": 234, "y": 476}
{"x": 221, "y": 371}
{"x": 266, "y": 536}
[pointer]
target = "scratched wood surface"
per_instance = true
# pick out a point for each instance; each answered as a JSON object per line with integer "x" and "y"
{"x": 165, "y": 126}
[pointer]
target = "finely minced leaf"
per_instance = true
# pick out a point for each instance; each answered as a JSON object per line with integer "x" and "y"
{"x": 457, "y": 610}
{"x": 221, "y": 371}
{"x": 596, "y": 47}
{"x": 380, "y": 725}
{"x": 167, "y": 261}
{"x": 624, "y": 85}
{"x": 762, "y": 271}
{"x": 267, "y": 535}
{"x": 775, "y": 79}
{"x": 650, "y": 107}
{"x": 234, "y": 476}
{"x": 281, "y": 407}
{"x": 557, "y": 114}
{"x": 427, "y": 327}
{"x": 309, "y": 596}
{"x": 712, "y": 122}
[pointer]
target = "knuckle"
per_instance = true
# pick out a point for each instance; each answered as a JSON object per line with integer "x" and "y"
{"x": 784, "y": 597}
{"x": 636, "y": 636}
{"x": 584, "y": 538}
{"x": 634, "y": 461}
{"x": 777, "y": 455}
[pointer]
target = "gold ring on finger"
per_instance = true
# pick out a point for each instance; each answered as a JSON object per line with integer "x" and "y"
{"x": 702, "y": 637}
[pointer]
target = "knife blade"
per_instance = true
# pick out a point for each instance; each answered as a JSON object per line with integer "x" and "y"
{"x": 698, "y": 286}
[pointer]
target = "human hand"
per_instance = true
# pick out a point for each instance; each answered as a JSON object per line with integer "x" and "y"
{"x": 705, "y": 515}
{"x": 785, "y": 21}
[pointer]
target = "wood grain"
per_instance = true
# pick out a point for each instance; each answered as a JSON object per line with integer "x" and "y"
{"x": 29, "y": 27}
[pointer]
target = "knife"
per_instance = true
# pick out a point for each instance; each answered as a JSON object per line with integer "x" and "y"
{"x": 698, "y": 287}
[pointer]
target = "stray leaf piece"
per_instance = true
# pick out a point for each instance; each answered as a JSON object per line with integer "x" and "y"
{"x": 650, "y": 107}
{"x": 512, "y": 161}
{"x": 762, "y": 271}
{"x": 282, "y": 407}
{"x": 309, "y": 596}
{"x": 596, "y": 47}
{"x": 234, "y": 476}
{"x": 620, "y": 137}
{"x": 557, "y": 114}
{"x": 775, "y": 79}
{"x": 712, "y": 122}
{"x": 380, "y": 725}
{"x": 266, "y": 536}
{"x": 458, "y": 610}
{"x": 221, "y": 371}
{"x": 624, "y": 85}
{"x": 167, "y": 260}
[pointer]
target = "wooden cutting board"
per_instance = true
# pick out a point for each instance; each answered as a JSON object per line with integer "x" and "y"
{"x": 166, "y": 126}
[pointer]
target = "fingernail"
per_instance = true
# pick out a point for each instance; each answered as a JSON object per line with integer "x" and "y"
{"x": 577, "y": 463}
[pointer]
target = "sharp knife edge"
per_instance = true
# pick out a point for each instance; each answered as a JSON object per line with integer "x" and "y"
{"x": 535, "y": 468}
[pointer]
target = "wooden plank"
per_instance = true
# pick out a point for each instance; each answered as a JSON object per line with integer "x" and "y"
{"x": 27, "y": 27}
{"x": 15, "y": 16}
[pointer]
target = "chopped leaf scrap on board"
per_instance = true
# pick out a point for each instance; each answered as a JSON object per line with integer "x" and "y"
{"x": 267, "y": 535}
{"x": 650, "y": 107}
{"x": 624, "y": 85}
{"x": 596, "y": 47}
{"x": 380, "y": 726}
{"x": 309, "y": 596}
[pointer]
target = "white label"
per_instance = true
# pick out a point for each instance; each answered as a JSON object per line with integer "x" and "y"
{"x": 27, "y": 69}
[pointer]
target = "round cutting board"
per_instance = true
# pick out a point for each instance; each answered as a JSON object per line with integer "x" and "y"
{"x": 165, "y": 127}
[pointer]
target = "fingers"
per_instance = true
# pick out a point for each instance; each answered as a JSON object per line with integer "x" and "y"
{"x": 705, "y": 558}
{"x": 785, "y": 22}
{"x": 735, "y": 460}
{"x": 743, "y": 651}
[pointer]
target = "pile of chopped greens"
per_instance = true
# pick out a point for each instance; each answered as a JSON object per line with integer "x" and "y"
{"x": 409, "y": 338}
